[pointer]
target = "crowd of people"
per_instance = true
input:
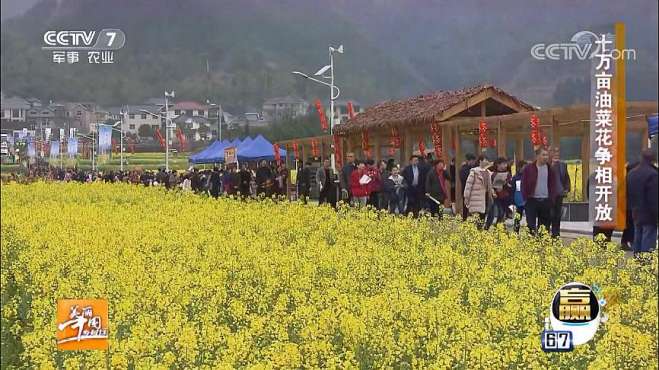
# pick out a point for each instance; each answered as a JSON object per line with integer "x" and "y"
{"x": 491, "y": 193}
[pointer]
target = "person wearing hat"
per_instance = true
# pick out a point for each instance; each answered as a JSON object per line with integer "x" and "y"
{"x": 539, "y": 191}
{"x": 478, "y": 191}
{"x": 464, "y": 173}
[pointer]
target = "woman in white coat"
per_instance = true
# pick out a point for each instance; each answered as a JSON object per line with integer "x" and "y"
{"x": 478, "y": 193}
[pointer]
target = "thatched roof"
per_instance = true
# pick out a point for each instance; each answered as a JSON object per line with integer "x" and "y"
{"x": 418, "y": 110}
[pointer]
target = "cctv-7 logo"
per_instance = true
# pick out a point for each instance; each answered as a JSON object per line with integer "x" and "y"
{"x": 111, "y": 35}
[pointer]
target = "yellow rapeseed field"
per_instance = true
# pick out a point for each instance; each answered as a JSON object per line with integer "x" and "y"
{"x": 194, "y": 282}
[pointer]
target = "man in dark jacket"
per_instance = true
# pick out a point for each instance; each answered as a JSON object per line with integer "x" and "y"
{"x": 245, "y": 179}
{"x": 303, "y": 182}
{"x": 326, "y": 187}
{"x": 415, "y": 178}
{"x": 464, "y": 174}
{"x": 346, "y": 172}
{"x": 562, "y": 184}
{"x": 438, "y": 186}
{"x": 195, "y": 181}
{"x": 215, "y": 183}
{"x": 264, "y": 180}
{"x": 539, "y": 191}
{"x": 642, "y": 193}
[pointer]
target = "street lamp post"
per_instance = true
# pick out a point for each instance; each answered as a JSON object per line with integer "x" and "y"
{"x": 167, "y": 95}
{"x": 334, "y": 90}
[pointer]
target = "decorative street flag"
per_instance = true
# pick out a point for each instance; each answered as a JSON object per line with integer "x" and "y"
{"x": 275, "y": 148}
{"x": 296, "y": 151}
{"x": 351, "y": 111}
{"x": 31, "y": 152}
{"x": 54, "y": 149}
{"x": 321, "y": 115}
{"x": 159, "y": 137}
{"x": 607, "y": 133}
{"x": 104, "y": 138}
{"x": 72, "y": 146}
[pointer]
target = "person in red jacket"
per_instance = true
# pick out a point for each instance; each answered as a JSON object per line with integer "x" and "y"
{"x": 359, "y": 185}
{"x": 375, "y": 186}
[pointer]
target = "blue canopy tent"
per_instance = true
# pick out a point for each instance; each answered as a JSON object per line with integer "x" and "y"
{"x": 213, "y": 153}
{"x": 259, "y": 149}
{"x": 653, "y": 125}
{"x": 246, "y": 142}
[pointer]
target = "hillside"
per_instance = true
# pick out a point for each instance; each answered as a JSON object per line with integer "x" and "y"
{"x": 393, "y": 48}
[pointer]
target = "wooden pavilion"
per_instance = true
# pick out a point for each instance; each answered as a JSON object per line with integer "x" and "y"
{"x": 458, "y": 114}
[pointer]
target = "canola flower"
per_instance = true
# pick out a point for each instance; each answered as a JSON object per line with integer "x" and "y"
{"x": 194, "y": 282}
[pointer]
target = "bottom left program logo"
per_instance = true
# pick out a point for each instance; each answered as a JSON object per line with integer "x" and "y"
{"x": 82, "y": 324}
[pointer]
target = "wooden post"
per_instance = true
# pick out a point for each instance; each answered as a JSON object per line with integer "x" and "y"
{"x": 376, "y": 145}
{"x": 501, "y": 140}
{"x": 555, "y": 133}
{"x": 645, "y": 141}
{"x": 458, "y": 162}
{"x": 446, "y": 138}
{"x": 519, "y": 147}
{"x": 585, "y": 161}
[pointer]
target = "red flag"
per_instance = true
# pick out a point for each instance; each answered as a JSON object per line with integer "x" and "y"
{"x": 160, "y": 138}
{"x": 321, "y": 115}
{"x": 351, "y": 111}
{"x": 275, "y": 147}
{"x": 296, "y": 151}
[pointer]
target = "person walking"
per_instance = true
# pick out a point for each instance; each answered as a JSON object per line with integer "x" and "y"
{"x": 642, "y": 191}
{"x": 264, "y": 180}
{"x": 518, "y": 199}
{"x": 215, "y": 183}
{"x": 326, "y": 187}
{"x": 345, "y": 178}
{"x": 438, "y": 186}
{"x": 394, "y": 188}
{"x": 563, "y": 186}
{"x": 415, "y": 177}
{"x": 478, "y": 191}
{"x": 501, "y": 183}
{"x": 303, "y": 182}
{"x": 464, "y": 174}
{"x": 359, "y": 180}
{"x": 375, "y": 186}
{"x": 245, "y": 176}
{"x": 539, "y": 191}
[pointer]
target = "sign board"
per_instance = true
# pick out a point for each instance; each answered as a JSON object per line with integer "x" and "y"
{"x": 230, "y": 155}
{"x": 607, "y": 185}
